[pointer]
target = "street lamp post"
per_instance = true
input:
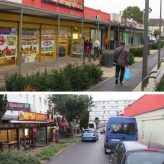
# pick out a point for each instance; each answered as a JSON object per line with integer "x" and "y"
{"x": 160, "y": 24}
{"x": 145, "y": 52}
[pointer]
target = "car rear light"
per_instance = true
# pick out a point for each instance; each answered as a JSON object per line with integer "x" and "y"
{"x": 106, "y": 139}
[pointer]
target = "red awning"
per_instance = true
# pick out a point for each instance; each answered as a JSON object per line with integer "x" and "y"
{"x": 63, "y": 123}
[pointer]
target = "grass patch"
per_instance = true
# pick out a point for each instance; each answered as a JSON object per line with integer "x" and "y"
{"x": 46, "y": 153}
{"x": 17, "y": 157}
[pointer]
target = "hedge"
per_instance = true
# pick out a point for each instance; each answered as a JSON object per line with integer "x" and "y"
{"x": 70, "y": 78}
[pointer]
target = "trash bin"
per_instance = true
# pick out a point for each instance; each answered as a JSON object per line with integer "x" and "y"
{"x": 112, "y": 44}
{"x": 109, "y": 59}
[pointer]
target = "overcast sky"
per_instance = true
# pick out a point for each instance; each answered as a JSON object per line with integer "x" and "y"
{"x": 115, "y": 6}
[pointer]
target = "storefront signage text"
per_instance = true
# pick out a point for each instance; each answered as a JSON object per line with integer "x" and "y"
{"x": 75, "y": 4}
{"x": 18, "y": 106}
{"x": 31, "y": 116}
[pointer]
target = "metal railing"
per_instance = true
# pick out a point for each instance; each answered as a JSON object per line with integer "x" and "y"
{"x": 149, "y": 76}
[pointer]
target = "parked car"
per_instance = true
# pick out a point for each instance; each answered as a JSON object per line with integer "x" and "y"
{"x": 120, "y": 129}
{"x": 133, "y": 152}
{"x": 89, "y": 135}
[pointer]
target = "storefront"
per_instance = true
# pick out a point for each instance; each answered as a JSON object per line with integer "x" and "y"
{"x": 44, "y": 35}
{"x": 24, "y": 129}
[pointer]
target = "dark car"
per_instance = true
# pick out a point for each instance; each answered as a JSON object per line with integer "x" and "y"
{"x": 133, "y": 152}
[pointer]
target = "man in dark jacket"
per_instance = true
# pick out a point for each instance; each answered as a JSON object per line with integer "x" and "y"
{"x": 121, "y": 56}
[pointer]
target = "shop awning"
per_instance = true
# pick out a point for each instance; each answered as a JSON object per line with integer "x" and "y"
{"x": 63, "y": 123}
{"x": 12, "y": 7}
{"x": 27, "y": 122}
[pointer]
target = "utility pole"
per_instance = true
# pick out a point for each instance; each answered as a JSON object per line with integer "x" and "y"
{"x": 159, "y": 44}
{"x": 145, "y": 52}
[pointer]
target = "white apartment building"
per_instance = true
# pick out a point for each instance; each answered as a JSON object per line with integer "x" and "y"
{"x": 105, "y": 109}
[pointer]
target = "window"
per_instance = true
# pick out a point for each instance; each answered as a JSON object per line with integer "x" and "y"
{"x": 126, "y": 128}
{"x": 3, "y": 135}
{"x": 140, "y": 157}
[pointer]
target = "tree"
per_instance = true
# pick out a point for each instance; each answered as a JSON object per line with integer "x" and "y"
{"x": 97, "y": 122}
{"x": 133, "y": 12}
{"x": 156, "y": 32}
{"x": 3, "y": 104}
{"x": 73, "y": 106}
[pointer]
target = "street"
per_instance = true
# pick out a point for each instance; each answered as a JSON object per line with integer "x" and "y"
{"x": 83, "y": 152}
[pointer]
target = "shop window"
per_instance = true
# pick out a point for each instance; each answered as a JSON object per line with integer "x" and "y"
{"x": 47, "y": 43}
{"x": 3, "y": 136}
{"x": 12, "y": 135}
{"x": 8, "y": 45}
{"x": 30, "y": 44}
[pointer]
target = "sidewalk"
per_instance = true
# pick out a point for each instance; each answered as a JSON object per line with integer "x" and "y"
{"x": 29, "y": 68}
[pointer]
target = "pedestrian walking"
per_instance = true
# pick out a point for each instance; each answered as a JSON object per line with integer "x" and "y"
{"x": 121, "y": 59}
{"x": 96, "y": 46}
{"x": 87, "y": 50}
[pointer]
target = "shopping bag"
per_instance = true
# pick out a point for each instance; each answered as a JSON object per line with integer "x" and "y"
{"x": 127, "y": 74}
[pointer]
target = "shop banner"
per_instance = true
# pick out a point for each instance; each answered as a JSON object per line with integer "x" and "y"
{"x": 77, "y": 4}
{"x": 30, "y": 44}
{"x": 17, "y": 106}
{"x": 31, "y": 116}
{"x": 48, "y": 41}
{"x": 8, "y": 43}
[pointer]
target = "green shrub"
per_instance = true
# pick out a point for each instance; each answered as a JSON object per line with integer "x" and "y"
{"x": 17, "y": 157}
{"x": 103, "y": 58}
{"x": 71, "y": 78}
{"x": 94, "y": 72}
{"x": 137, "y": 52}
{"x": 78, "y": 77}
{"x": 58, "y": 81}
{"x": 155, "y": 46}
{"x": 15, "y": 82}
{"x": 131, "y": 58}
{"x": 160, "y": 85}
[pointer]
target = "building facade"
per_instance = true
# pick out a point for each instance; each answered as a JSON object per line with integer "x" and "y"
{"x": 149, "y": 112}
{"x": 105, "y": 109}
{"x": 45, "y": 30}
{"x": 154, "y": 25}
{"x": 27, "y": 122}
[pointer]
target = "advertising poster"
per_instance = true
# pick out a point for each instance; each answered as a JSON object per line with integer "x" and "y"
{"x": 48, "y": 42}
{"x": 30, "y": 44}
{"x": 77, "y": 4}
{"x": 8, "y": 44}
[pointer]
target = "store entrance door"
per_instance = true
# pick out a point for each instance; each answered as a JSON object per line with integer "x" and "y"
{"x": 41, "y": 135}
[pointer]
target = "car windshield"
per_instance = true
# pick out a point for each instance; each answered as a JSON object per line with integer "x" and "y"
{"x": 124, "y": 128}
{"x": 144, "y": 157}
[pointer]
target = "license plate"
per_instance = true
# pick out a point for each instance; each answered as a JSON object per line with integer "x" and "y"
{"x": 115, "y": 139}
{"x": 108, "y": 150}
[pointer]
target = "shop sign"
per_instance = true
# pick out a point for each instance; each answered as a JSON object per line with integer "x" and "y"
{"x": 48, "y": 41}
{"x": 8, "y": 43}
{"x": 17, "y": 106}
{"x": 30, "y": 44}
{"x": 75, "y": 4}
{"x": 31, "y": 116}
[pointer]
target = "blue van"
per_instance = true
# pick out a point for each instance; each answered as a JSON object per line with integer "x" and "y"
{"x": 120, "y": 129}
